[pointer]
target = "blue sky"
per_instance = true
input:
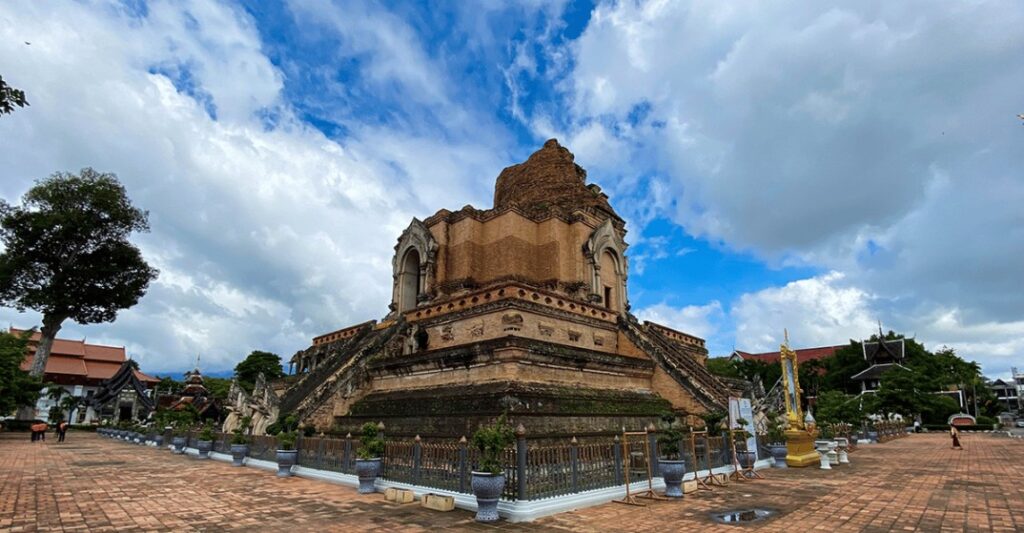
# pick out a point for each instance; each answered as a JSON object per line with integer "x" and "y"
{"x": 812, "y": 167}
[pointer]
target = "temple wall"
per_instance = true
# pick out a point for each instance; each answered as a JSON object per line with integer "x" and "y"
{"x": 510, "y": 365}
{"x": 511, "y": 245}
{"x": 523, "y": 324}
{"x": 668, "y": 388}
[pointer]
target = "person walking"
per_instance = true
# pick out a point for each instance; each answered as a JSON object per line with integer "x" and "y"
{"x": 954, "y": 433}
{"x": 62, "y": 430}
{"x": 38, "y": 431}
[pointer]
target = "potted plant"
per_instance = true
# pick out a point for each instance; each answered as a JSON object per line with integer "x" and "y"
{"x": 178, "y": 440}
{"x": 205, "y": 443}
{"x": 287, "y": 455}
{"x": 713, "y": 422}
{"x": 371, "y": 448}
{"x": 670, "y": 461}
{"x": 776, "y": 435}
{"x": 740, "y": 433}
{"x": 240, "y": 442}
{"x": 489, "y": 481}
{"x": 157, "y": 437}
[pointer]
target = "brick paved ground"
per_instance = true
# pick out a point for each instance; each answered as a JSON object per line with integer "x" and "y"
{"x": 94, "y": 484}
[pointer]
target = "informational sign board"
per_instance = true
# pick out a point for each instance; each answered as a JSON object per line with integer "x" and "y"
{"x": 742, "y": 408}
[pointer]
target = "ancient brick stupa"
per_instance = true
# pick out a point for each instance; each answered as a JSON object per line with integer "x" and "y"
{"x": 520, "y": 308}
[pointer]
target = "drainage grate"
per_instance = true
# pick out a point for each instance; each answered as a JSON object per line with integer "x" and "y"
{"x": 741, "y": 516}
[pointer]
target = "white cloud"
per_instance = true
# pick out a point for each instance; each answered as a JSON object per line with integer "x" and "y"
{"x": 827, "y": 310}
{"x": 818, "y": 311}
{"x": 700, "y": 320}
{"x": 265, "y": 236}
{"x": 873, "y": 139}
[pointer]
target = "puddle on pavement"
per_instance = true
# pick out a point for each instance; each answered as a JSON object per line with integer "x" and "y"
{"x": 741, "y": 516}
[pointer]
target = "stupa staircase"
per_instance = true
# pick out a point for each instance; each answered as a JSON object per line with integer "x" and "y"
{"x": 682, "y": 366}
{"x": 345, "y": 368}
{"x": 335, "y": 358}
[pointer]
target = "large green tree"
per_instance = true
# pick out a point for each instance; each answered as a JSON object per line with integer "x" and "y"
{"x": 17, "y": 387}
{"x": 840, "y": 366}
{"x": 256, "y": 363}
{"x": 67, "y": 253}
{"x": 218, "y": 387}
{"x": 835, "y": 406}
{"x": 10, "y": 97}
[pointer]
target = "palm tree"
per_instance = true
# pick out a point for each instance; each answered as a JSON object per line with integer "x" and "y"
{"x": 55, "y": 392}
{"x": 69, "y": 404}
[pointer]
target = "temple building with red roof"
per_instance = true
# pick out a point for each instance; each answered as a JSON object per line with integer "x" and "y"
{"x": 80, "y": 368}
{"x": 803, "y": 354}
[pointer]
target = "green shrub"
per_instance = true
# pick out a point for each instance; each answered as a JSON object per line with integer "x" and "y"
{"x": 371, "y": 445}
{"x": 286, "y": 440}
{"x": 977, "y": 427}
{"x": 19, "y": 425}
{"x": 776, "y": 426}
{"x": 287, "y": 423}
{"x": 985, "y": 420}
{"x": 240, "y": 432}
{"x": 492, "y": 441}
{"x": 669, "y": 436}
{"x": 713, "y": 422}
{"x": 207, "y": 432}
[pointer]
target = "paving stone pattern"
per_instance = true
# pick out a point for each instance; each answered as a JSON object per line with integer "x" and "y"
{"x": 93, "y": 484}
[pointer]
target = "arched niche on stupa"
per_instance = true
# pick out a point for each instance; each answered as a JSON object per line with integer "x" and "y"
{"x": 606, "y": 255}
{"x": 413, "y": 267}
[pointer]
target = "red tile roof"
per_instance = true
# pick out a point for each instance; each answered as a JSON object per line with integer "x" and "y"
{"x": 77, "y": 358}
{"x": 60, "y": 364}
{"x": 802, "y": 354}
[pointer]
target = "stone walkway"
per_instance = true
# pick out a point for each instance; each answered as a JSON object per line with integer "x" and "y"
{"x": 93, "y": 484}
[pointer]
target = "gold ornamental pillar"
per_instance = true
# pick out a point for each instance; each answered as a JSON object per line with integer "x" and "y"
{"x": 800, "y": 437}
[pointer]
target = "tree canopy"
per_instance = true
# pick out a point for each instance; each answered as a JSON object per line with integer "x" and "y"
{"x": 257, "y": 362}
{"x": 17, "y": 387}
{"x": 915, "y": 388}
{"x": 67, "y": 253}
{"x": 10, "y": 97}
{"x": 750, "y": 370}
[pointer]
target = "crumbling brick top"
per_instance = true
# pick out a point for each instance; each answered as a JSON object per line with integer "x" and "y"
{"x": 549, "y": 181}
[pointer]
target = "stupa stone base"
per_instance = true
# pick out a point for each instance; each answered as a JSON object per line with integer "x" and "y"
{"x": 551, "y": 411}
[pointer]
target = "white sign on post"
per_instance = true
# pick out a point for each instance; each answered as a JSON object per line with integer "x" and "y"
{"x": 742, "y": 408}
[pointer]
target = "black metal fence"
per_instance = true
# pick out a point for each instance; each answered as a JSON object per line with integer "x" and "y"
{"x": 533, "y": 471}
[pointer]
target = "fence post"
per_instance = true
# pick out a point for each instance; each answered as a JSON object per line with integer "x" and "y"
{"x": 417, "y": 455}
{"x": 617, "y": 454}
{"x": 521, "y": 463}
{"x": 346, "y": 459}
{"x": 652, "y": 443}
{"x": 320, "y": 452}
{"x": 684, "y": 452}
{"x": 574, "y": 461}
{"x": 383, "y": 460}
{"x": 463, "y": 466}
